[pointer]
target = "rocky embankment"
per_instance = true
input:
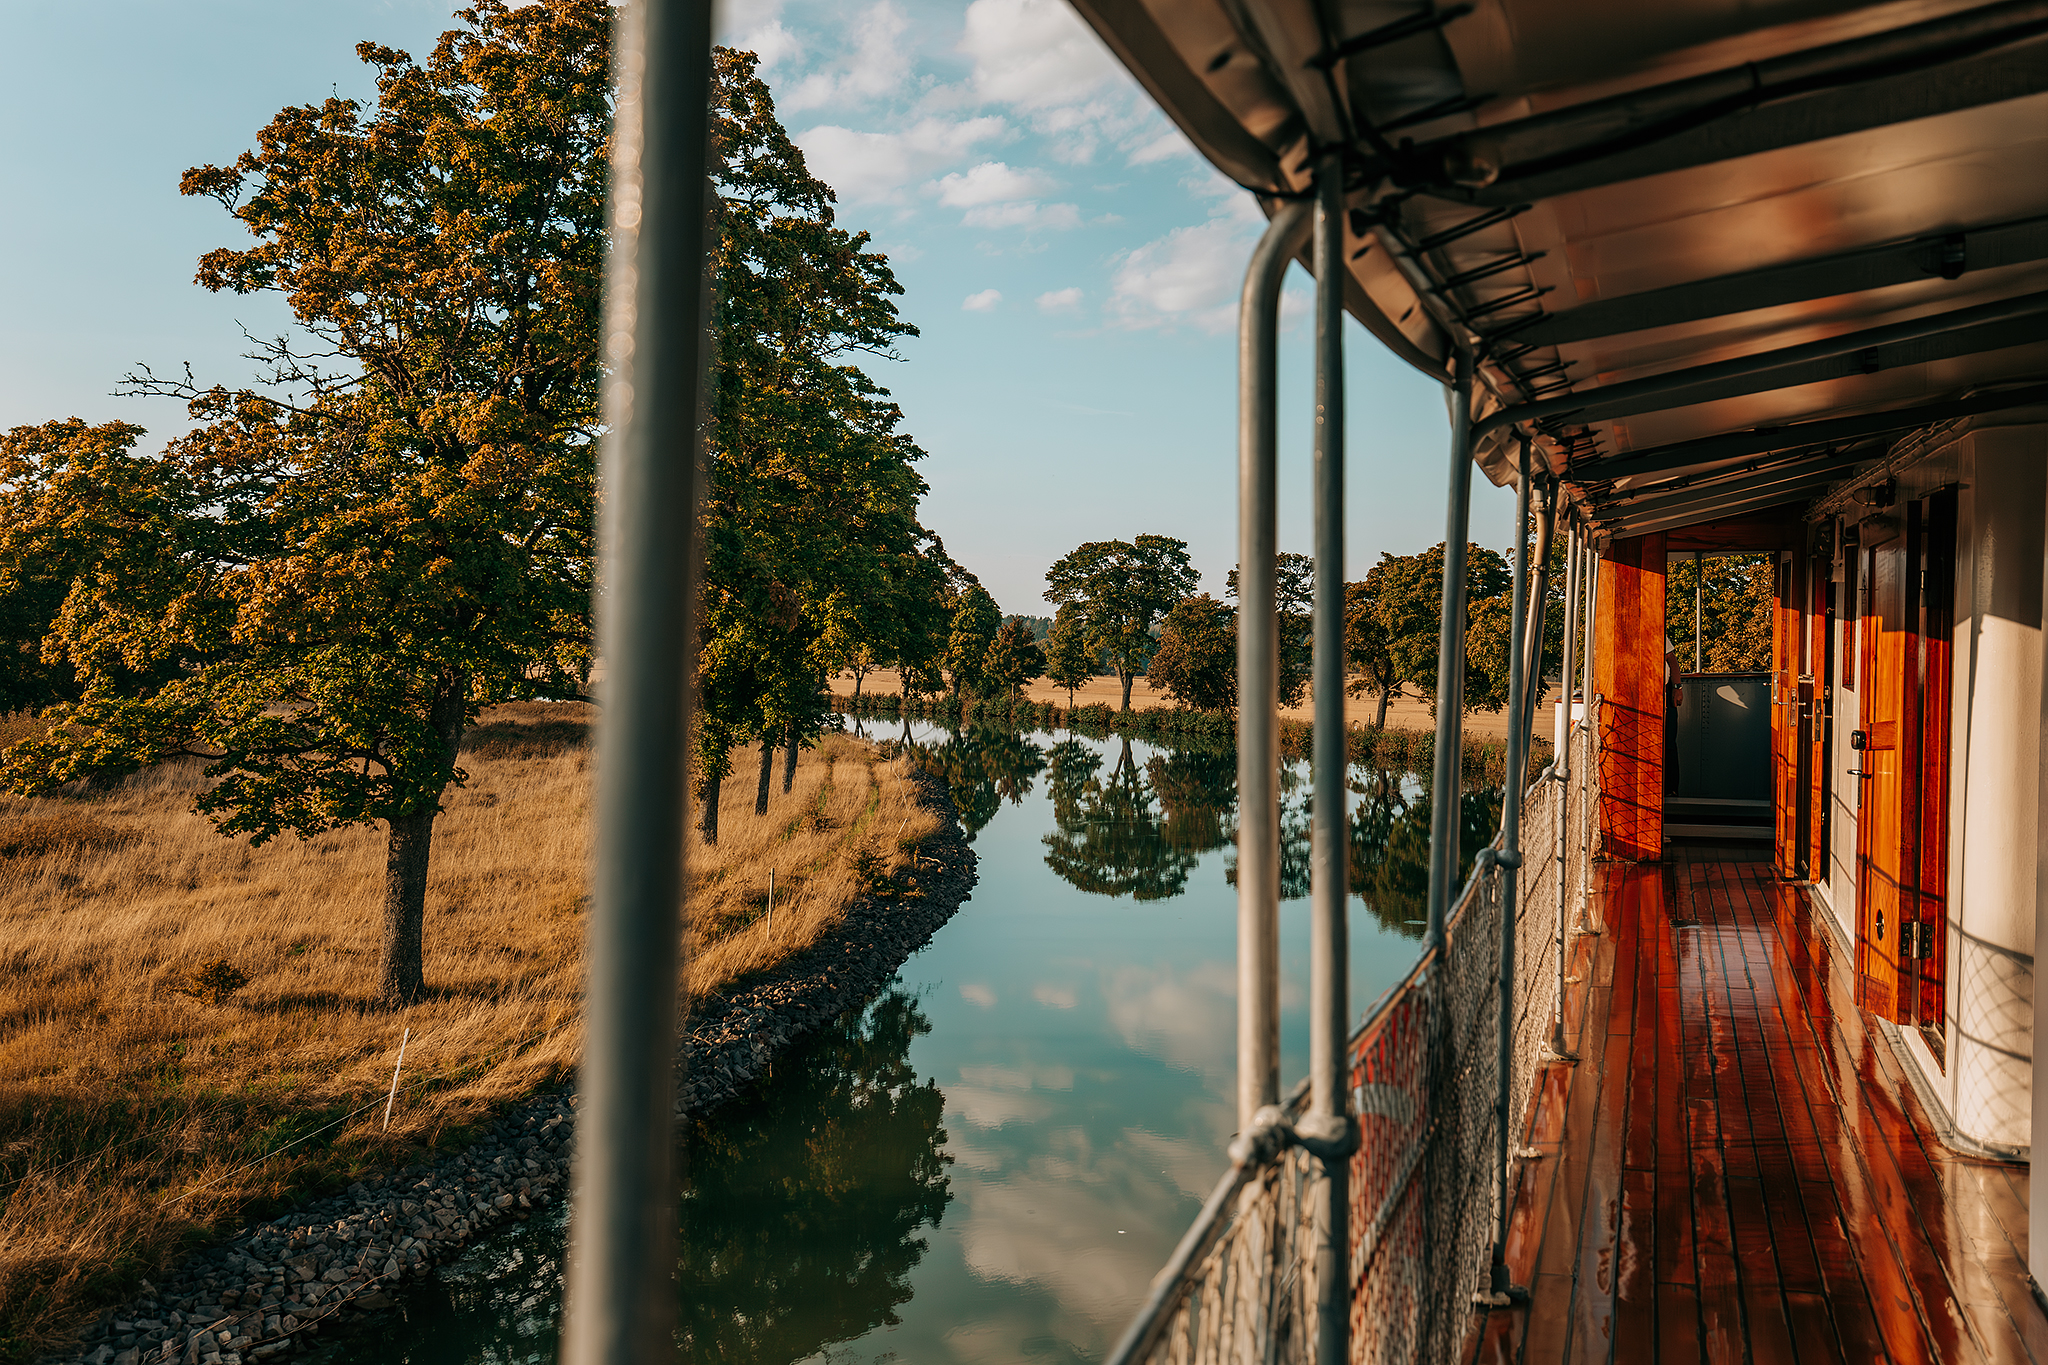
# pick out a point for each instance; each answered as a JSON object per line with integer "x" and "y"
{"x": 326, "y": 1265}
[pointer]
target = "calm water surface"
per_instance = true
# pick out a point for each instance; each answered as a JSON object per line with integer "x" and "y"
{"x": 990, "y": 1160}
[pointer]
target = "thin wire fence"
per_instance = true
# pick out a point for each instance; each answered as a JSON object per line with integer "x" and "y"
{"x": 1424, "y": 1188}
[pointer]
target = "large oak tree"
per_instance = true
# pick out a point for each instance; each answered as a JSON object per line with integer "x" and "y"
{"x": 332, "y": 574}
{"x": 1123, "y": 589}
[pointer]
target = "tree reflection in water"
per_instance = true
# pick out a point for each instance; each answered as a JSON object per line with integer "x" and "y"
{"x": 984, "y": 768}
{"x": 1390, "y": 845}
{"x": 1141, "y": 831}
{"x": 800, "y": 1218}
{"x": 1137, "y": 835}
{"x": 804, "y": 1198}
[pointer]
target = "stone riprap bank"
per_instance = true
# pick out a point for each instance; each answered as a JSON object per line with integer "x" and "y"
{"x": 331, "y": 1263}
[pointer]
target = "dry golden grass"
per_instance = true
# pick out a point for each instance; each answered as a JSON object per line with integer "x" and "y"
{"x": 135, "y": 1119}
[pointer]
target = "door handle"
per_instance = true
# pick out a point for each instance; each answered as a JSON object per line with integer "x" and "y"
{"x": 1858, "y": 772}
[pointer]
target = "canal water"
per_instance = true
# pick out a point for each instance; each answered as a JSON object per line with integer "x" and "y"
{"x": 989, "y": 1161}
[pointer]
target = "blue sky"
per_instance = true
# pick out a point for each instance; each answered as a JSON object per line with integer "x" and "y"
{"x": 1070, "y": 263}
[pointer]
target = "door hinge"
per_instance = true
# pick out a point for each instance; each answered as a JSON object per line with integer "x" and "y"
{"x": 1916, "y": 939}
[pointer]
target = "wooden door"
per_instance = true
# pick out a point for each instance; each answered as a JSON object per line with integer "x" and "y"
{"x": 1932, "y": 544}
{"x": 1785, "y": 794}
{"x": 1628, "y": 681}
{"x": 1820, "y": 684}
{"x": 1883, "y": 845}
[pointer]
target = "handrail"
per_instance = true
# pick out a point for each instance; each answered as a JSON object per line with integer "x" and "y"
{"x": 1252, "y": 1152}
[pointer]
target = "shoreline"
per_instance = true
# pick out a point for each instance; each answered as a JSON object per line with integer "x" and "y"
{"x": 275, "y": 1288}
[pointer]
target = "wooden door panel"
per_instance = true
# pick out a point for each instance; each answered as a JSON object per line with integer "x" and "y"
{"x": 1785, "y": 724}
{"x": 1820, "y": 626}
{"x": 1628, "y": 676}
{"x": 1934, "y": 668}
{"x": 1880, "y": 829}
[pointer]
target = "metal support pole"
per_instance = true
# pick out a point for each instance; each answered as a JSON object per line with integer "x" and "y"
{"x": 1591, "y": 574}
{"x": 1509, "y": 872}
{"x": 1572, "y": 580}
{"x": 1327, "y": 1126}
{"x": 1699, "y": 597}
{"x": 1539, "y": 598}
{"x": 1258, "y": 668}
{"x": 1450, "y": 663}
{"x": 1574, "y": 577}
{"x": 621, "y": 1273}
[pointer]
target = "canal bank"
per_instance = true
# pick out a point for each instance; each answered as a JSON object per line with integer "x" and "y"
{"x": 986, "y": 1162}
{"x": 332, "y": 1265}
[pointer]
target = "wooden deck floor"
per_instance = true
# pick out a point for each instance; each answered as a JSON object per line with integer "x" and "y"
{"x": 1738, "y": 1170}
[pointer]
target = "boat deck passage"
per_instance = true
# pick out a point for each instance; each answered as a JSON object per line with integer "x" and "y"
{"x": 1739, "y": 1169}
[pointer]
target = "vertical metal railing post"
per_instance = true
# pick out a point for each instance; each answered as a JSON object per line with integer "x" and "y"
{"x": 1574, "y": 576}
{"x": 1699, "y": 598}
{"x": 1327, "y": 1126}
{"x": 1570, "y": 655}
{"x": 1258, "y": 667}
{"x": 1510, "y": 863}
{"x": 1539, "y": 598}
{"x": 1450, "y": 663}
{"x": 621, "y": 1298}
{"x": 1559, "y": 1044}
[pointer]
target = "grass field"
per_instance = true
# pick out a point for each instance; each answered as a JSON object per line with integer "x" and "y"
{"x": 137, "y": 1120}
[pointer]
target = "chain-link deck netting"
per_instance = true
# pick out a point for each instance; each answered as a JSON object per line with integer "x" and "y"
{"x": 1424, "y": 1186}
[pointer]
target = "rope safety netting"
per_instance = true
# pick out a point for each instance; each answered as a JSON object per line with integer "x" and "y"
{"x": 1424, "y": 1188}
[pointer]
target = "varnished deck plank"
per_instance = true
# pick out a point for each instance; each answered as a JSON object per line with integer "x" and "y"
{"x": 1739, "y": 1169}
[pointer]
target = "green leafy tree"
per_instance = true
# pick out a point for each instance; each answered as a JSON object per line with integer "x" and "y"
{"x": 1294, "y": 585}
{"x": 1369, "y": 642}
{"x": 1123, "y": 589}
{"x": 69, "y": 493}
{"x": 1069, "y": 662}
{"x": 813, "y": 551}
{"x": 329, "y": 578}
{"x": 1393, "y": 622}
{"x": 1740, "y": 595}
{"x": 1196, "y": 662}
{"x": 970, "y": 632}
{"x": 1013, "y": 658}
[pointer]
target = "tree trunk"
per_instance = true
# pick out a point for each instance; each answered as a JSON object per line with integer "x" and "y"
{"x": 1379, "y": 722}
{"x": 789, "y": 762}
{"x": 1128, "y": 679}
{"x": 400, "y": 972}
{"x": 709, "y": 824}
{"x": 767, "y": 772}
{"x": 858, "y": 674}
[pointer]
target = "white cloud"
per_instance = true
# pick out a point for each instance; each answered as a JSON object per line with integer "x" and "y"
{"x": 764, "y": 35}
{"x": 876, "y": 64}
{"x": 876, "y": 166}
{"x": 1034, "y": 53}
{"x": 1056, "y": 998}
{"x": 771, "y": 42}
{"x": 992, "y": 182}
{"x": 975, "y": 993}
{"x": 1060, "y": 300}
{"x": 1188, "y": 277}
{"x": 1057, "y": 217}
{"x": 983, "y": 302}
{"x": 1170, "y": 143}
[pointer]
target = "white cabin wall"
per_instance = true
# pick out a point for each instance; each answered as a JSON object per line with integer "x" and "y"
{"x": 1844, "y": 790}
{"x": 1993, "y": 854}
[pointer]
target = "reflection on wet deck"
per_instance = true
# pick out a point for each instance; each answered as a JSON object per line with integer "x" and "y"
{"x": 1739, "y": 1168}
